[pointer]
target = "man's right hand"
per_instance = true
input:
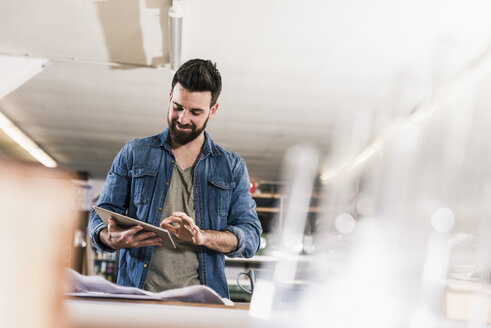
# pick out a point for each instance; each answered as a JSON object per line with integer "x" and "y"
{"x": 117, "y": 237}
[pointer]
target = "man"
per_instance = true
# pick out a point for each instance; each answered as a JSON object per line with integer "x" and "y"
{"x": 184, "y": 182}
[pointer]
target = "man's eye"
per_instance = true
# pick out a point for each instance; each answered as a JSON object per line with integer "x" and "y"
{"x": 177, "y": 108}
{"x": 195, "y": 113}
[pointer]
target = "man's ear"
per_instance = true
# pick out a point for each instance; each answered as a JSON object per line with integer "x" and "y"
{"x": 213, "y": 110}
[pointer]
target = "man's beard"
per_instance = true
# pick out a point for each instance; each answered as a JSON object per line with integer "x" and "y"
{"x": 184, "y": 137}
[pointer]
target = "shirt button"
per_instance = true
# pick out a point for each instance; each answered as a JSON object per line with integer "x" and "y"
{"x": 172, "y": 161}
{"x": 160, "y": 208}
{"x": 166, "y": 183}
{"x": 145, "y": 265}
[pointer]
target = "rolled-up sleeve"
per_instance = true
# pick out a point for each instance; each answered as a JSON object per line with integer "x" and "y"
{"x": 242, "y": 219}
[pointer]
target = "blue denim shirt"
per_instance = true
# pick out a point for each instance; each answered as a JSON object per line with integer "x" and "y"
{"x": 137, "y": 185}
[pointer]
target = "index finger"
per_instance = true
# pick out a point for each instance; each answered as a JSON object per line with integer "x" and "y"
{"x": 187, "y": 220}
{"x": 180, "y": 214}
{"x": 172, "y": 219}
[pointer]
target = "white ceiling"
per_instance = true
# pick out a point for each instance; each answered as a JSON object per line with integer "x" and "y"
{"x": 293, "y": 71}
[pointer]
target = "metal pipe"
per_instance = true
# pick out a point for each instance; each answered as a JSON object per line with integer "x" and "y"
{"x": 175, "y": 34}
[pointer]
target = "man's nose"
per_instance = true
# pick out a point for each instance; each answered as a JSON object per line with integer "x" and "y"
{"x": 184, "y": 117}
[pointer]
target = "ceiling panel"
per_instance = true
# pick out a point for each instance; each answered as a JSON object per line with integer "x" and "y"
{"x": 293, "y": 71}
{"x": 125, "y": 31}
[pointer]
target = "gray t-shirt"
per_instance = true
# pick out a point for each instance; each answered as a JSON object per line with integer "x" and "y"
{"x": 175, "y": 268}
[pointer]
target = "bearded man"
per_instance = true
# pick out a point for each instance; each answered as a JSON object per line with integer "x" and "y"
{"x": 184, "y": 182}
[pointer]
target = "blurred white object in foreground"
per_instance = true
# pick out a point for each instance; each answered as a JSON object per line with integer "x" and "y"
{"x": 37, "y": 219}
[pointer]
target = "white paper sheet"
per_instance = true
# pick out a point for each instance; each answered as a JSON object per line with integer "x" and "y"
{"x": 94, "y": 286}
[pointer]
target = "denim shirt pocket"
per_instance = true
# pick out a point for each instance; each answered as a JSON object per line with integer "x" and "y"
{"x": 220, "y": 197}
{"x": 142, "y": 183}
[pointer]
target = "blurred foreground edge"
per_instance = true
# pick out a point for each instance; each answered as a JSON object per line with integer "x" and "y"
{"x": 38, "y": 211}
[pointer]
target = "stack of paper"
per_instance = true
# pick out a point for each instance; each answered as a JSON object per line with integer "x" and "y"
{"x": 94, "y": 286}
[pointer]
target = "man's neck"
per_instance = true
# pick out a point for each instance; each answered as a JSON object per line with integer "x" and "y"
{"x": 187, "y": 155}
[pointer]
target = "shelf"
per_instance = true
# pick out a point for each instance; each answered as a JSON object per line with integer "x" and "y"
{"x": 267, "y": 209}
{"x": 266, "y": 195}
{"x": 269, "y": 203}
{"x": 272, "y": 206}
{"x": 275, "y": 207}
{"x": 316, "y": 195}
{"x": 316, "y": 209}
{"x": 254, "y": 259}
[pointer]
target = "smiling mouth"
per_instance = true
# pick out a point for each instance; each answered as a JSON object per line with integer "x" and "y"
{"x": 183, "y": 127}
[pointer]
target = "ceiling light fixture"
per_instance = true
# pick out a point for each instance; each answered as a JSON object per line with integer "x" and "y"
{"x": 15, "y": 71}
{"x": 25, "y": 142}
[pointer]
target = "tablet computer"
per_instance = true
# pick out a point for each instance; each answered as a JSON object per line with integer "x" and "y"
{"x": 126, "y": 222}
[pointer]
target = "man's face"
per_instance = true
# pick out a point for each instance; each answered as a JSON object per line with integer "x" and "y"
{"x": 189, "y": 113}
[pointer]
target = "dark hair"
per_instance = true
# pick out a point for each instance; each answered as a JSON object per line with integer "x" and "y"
{"x": 199, "y": 75}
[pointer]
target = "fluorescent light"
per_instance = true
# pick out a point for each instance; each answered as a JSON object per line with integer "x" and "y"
{"x": 15, "y": 71}
{"x": 25, "y": 142}
{"x": 446, "y": 93}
